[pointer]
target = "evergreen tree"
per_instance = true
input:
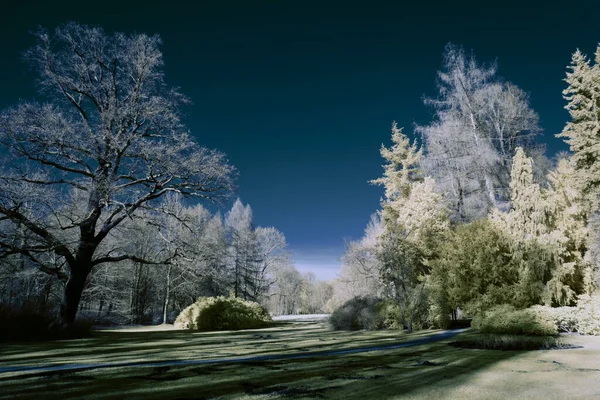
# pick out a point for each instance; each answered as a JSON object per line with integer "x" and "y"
{"x": 412, "y": 216}
{"x": 582, "y": 133}
{"x": 403, "y": 165}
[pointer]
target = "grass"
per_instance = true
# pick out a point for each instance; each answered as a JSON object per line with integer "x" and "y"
{"x": 429, "y": 371}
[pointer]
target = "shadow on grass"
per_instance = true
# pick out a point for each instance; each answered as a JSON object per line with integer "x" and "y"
{"x": 119, "y": 346}
{"x": 381, "y": 375}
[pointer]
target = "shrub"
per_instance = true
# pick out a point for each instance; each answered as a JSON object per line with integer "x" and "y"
{"x": 588, "y": 315}
{"x": 222, "y": 313}
{"x": 29, "y": 324}
{"x": 564, "y": 318}
{"x": 359, "y": 313}
{"x": 506, "y": 319}
{"x": 511, "y": 342}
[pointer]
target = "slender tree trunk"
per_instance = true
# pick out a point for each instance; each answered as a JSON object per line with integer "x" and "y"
{"x": 167, "y": 294}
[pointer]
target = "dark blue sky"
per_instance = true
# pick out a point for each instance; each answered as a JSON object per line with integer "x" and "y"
{"x": 301, "y": 94}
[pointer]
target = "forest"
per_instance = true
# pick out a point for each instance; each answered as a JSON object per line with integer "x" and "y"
{"x": 105, "y": 211}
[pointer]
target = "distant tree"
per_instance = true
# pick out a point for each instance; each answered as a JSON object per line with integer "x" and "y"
{"x": 244, "y": 252}
{"x": 273, "y": 254}
{"x": 285, "y": 295}
{"x": 111, "y": 134}
{"x": 213, "y": 258}
{"x": 359, "y": 274}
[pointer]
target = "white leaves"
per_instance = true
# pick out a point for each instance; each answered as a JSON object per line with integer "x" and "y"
{"x": 111, "y": 132}
{"x": 478, "y": 121}
{"x": 582, "y": 133}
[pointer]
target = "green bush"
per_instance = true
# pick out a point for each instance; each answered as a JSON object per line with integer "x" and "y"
{"x": 508, "y": 320}
{"x": 359, "y": 313}
{"x": 222, "y": 313}
{"x": 588, "y": 315}
{"x": 564, "y": 318}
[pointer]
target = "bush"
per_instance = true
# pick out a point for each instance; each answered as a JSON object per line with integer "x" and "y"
{"x": 222, "y": 313}
{"x": 588, "y": 315}
{"x": 30, "y": 324}
{"x": 359, "y": 313}
{"x": 564, "y": 318}
{"x": 508, "y": 320}
{"x": 511, "y": 342}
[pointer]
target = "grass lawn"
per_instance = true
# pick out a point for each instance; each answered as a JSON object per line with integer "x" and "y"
{"x": 429, "y": 371}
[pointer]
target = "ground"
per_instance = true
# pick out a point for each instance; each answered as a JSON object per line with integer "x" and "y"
{"x": 427, "y": 371}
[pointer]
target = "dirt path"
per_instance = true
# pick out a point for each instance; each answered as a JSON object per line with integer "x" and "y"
{"x": 229, "y": 360}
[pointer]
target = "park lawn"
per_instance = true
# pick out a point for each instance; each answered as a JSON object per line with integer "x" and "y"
{"x": 429, "y": 371}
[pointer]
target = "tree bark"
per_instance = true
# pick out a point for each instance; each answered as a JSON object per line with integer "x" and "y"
{"x": 167, "y": 295}
{"x": 72, "y": 295}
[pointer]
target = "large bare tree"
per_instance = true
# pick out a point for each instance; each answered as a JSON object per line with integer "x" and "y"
{"x": 107, "y": 143}
{"x": 478, "y": 123}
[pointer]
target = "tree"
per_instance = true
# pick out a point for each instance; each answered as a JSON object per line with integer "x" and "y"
{"x": 527, "y": 226}
{"x": 478, "y": 123}
{"x": 359, "y": 274}
{"x": 402, "y": 273}
{"x": 286, "y": 292}
{"x": 243, "y": 250}
{"x": 413, "y": 215}
{"x": 474, "y": 271}
{"x": 569, "y": 236}
{"x": 582, "y": 133}
{"x": 111, "y": 134}
{"x": 546, "y": 231}
{"x": 273, "y": 255}
{"x": 402, "y": 165}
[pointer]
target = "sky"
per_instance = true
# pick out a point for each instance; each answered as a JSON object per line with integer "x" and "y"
{"x": 301, "y": 94}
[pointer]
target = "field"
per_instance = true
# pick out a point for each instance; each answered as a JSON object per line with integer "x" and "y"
{"x": 430, "y": 370}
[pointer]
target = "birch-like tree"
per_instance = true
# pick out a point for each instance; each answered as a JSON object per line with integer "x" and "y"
{"x": 110, "y": 130}
{"x": 273, "y": 255}
{"x": 478, "y": 123}
{"x": 359, "y": 274}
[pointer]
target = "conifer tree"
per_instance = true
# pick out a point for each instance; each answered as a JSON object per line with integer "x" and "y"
{"x": 526, "y": 225}
{"x": 582, "y": 133}
{"x": 403, "y": 165}
{"x": 412, "y": 215}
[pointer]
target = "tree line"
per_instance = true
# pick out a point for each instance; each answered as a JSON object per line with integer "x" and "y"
{"x": 476, "y": 215}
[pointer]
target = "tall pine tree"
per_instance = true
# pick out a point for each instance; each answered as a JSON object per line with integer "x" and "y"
{"x": 582, "y": 133}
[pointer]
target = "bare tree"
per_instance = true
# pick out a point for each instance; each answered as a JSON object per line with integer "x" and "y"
{"x": 243, "y": 250}
{"x": 273, "y": 255}
{"x": 359, "y": 275}
{"x": 111, "y": 134}
{"x": 286, "y": 292}
{"x": 478, "y": 123}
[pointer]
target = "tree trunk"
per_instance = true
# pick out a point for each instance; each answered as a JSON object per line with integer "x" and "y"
{"x": 167, "y": 294}
{"x": 72, "y": 296}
